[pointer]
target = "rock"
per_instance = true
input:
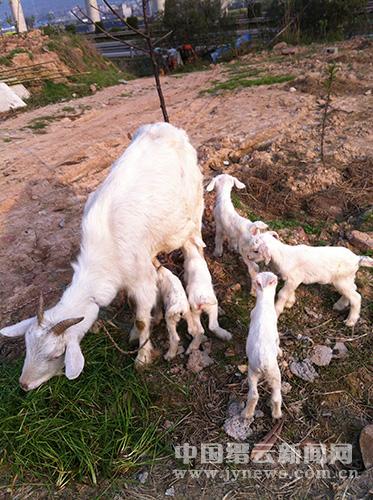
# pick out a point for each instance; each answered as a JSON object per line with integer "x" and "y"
{"x": 142, "y": 476}
{"x": 285, "y": 388}
{"x": 9, "y": 99}
{"x": 234, "y": 408}
{"x": 366, "y": 445}
{"x": 321, "y": 355}
{"x": 289, "y": 51}
{"x": 280, "y": 46}
{"x": 238, "y": 428}
{"x": 304, "y": 370}
{"x": 170, "y": 492}
{"x": 198, "y": 360}
{"x": 331, "y": 50}
{"x": 292, "y": 89}
{"x": 368, "y": 92}
{"x": 340, "y": 351}
{"x": 236, "y": 288}
{"x": 21, "y": 91}
{"x": 242, "y": 368}
{"x": 360, "y": 240}
{"x": 93, "y": 88}
{"x": 226, "y": 163}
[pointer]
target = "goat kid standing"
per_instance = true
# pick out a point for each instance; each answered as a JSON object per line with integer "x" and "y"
{"x": 231, "y": 225}
{"x": 262, "y": 346}
{"x": 298, "y": 264}
{"x": 200, "y": 291}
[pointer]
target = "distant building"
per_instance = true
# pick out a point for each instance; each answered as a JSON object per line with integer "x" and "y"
{"x": 126, "y": 10}
{"x": 156, "y": 6}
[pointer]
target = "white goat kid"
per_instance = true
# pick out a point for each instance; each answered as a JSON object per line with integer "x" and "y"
{"x": 176, "y": 306}
{"x": 200, "y": 291}
{"x": 298, "y": 264}
{"x": 151, "y": 202}
{"x": 231, "y": 225}
{"x": 262, "y": 346}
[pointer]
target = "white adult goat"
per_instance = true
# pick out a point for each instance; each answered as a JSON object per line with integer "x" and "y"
{"x": 262, "y": 346}
{"x": 298, "y": 264}
{"x": 200, "y": 291}
{"x": 151, "y": 202}
{"x": 230, "y": 224}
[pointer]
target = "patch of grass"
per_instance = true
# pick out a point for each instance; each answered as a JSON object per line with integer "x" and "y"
{"x": 7, "y": 59}
{"x": 4, "y": 61}
{"x": 94, "y": 427}
{"x": 237, "y": 82}
{"x": 7, "y": 139}
{"x": 291, "y": 223}
{"x": 68, "y": 109}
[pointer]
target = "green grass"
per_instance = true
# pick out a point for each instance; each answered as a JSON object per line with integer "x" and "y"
{"x": 7, "y": 59}
{"x": 238, "y": 81}
{"x": 292, "y": 223}
{"x": 94, "y": 427}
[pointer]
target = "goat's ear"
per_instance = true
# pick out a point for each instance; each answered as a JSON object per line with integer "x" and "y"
{"x": 261, "y": 225}
{"x": 199, "y": 242}
{"x": 258, "y": 281}
{"x": 253, "y": 230}
{"x": 210, "y": 185}
{"x": 17, "y": 330}
{"x": 274, "y": 234}
{"x": 239, "y": 184}
{"x": 74, "y": 360}
{"x": 272, "y": 282}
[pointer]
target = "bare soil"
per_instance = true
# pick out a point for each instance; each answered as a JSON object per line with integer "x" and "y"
{"x": 269, "y": 137}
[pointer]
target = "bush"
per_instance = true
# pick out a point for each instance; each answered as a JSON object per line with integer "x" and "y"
{"x": 315, "y": 19}
{"x": 133, "y": 21}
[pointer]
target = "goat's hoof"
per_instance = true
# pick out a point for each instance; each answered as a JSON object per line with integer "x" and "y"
{"x": 246, "y": 416}
{"x": 169, "y": 355}
{"x": 223, "y": 334}
{"x": 145, "y": 359}
{"x": 339, "y": 307}
{"x": 350, "y": 322}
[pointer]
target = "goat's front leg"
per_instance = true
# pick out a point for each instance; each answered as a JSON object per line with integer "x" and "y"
{"x": 145, "y": 298}
{"x": 219, "y": 240}
{"x": 253, "y": 269}
{"x": 286, "y": 293}
{"x": 212, "y": 311}
{"x": 174, "y": 339}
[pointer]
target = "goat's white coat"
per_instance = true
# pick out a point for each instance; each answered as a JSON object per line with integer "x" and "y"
{"x": 200, "y": 291}
{"x": 298, "y": 264}
{"x": 230, "y": 224}
{"x": 176, "y": 307}
{"x": 262, "y": 346}
{"x": 151, "y": 202}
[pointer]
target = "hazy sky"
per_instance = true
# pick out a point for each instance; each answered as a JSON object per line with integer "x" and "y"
{"x": 32, "y": 6}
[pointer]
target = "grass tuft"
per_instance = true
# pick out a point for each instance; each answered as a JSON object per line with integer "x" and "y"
{"x": 93, "y": 427}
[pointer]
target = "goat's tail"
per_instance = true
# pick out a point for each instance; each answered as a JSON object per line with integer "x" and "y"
{"x": 366, "y": 261}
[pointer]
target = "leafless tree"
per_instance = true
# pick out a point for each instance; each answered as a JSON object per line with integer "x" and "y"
{"x": 146, "y": 35}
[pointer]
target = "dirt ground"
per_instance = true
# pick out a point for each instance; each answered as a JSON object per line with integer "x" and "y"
{"x": 268, "y": 136}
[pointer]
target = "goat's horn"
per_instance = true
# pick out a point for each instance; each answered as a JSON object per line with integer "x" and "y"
{"x": 63, "y": 325}
{"x": 40, "y": 313}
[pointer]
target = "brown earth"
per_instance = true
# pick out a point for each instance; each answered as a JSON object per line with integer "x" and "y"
{"x": 268, "y": 136}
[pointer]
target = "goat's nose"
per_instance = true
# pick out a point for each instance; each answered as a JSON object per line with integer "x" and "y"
{"x": 24, "y": 386}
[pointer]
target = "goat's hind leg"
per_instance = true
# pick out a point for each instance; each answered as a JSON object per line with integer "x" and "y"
{"x": 219, "y": 240}
{"x": 195, "y": 329}
{"x": 145, "y": 297}
{"x": 348, "y": 290}
{"x": 173, "y": 336}
{"x": 253, "y": 395}
{"x": 213, "y": 311}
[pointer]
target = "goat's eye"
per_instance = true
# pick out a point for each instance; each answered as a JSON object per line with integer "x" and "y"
{"x": 56, "y": 356}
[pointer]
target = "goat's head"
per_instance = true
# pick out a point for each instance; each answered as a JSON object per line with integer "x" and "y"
{"x": 223, "y": 180}
{"x": 251, "y": 245}
{"x": 266, "y": 280}
{"x": 49, "y": 348}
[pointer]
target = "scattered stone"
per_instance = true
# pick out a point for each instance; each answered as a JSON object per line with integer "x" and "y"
{"x": 321, "y": 355}
{"x": 312, "y": 313}
{"x": 226, "y": 163}
{"x": 242, "y": 368}
{"x": 280, "y": 46}
{"x": 142, "y": 477}
{"x": 238, "y": 428}
{"x": 198, "y": 360}
{"x": 258, "y": 414}
{"x": 236, "y": 288}
{"x": 289, "y": 51}
{"x": 292, "y": 89}
{"x": 340, "y": 351}
{"x": 170, "y": 492}
{"x": 366, "y": 445}
{"x": 304, "y": 370}
{"x": 360, "y": 240}
{"x": 230, "y": 352}
{"x": 331, "y": 50}
{"x": 167, "y": 424}
{"x": 285, "y": 388}
{"x": 93, "y": 88}
{"x": 235, "y": 408}
{"x": 62, "y": 223}
{"x": 368, "y": 92}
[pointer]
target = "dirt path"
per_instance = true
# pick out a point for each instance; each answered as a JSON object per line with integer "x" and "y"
{"x": 45, "y": 178}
